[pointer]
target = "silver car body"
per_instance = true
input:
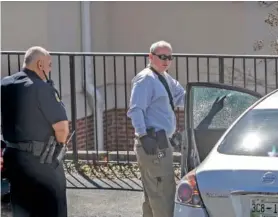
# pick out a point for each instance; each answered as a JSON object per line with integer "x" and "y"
{"x": 228, "y": 183}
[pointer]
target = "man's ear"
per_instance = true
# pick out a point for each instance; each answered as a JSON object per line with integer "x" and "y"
{"x": 40, "y": 64}
{"x": 150, "y": 56}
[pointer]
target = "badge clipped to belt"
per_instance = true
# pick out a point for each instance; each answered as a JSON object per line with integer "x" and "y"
{"x": 161, "y": 154}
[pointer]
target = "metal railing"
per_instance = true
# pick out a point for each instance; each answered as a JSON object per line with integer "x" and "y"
{"x": 95, "y": 88}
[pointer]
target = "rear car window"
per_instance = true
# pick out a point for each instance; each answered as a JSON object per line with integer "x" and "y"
{"x": 254, "y": 135}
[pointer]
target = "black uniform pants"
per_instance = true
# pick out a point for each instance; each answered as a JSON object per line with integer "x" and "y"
{"x": 37, "y": 190}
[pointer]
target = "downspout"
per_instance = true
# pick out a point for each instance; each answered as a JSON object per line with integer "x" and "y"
{"x": 90, "y": 89}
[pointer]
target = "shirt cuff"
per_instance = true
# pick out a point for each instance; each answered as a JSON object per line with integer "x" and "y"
{"x": 140, "y": 133}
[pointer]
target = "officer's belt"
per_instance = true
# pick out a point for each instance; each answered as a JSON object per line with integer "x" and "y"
{"x": 34, "y": 147}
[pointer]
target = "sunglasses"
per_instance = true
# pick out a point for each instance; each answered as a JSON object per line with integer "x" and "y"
{"x": 163, "y": 56}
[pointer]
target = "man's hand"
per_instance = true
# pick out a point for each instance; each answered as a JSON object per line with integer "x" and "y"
{"x": 176, "y": 139}
{"x": 149, "y": 145}
{"x": 2, "y": 162}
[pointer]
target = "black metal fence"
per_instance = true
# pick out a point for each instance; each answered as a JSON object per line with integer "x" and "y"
{"x": 95, "y": 88}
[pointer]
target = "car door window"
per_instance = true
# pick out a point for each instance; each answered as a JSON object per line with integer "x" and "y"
{"x": 235, "y": 103}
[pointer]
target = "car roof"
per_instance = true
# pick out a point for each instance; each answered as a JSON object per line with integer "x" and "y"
{"x": 269, "y": 102}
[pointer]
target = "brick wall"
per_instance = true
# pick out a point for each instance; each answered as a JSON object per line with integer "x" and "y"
{"x": 118, "y": 132}
{"x": 85, "y": 133}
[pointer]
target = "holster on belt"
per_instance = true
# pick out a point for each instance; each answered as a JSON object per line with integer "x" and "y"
{"x": 53, "y": 152}
{"x": 160, "y": 137}
{"x": 61, "y": 152}
{"x": 47, "y": 154}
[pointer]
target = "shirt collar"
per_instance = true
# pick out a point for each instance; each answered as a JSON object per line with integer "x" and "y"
{"x": 31, "y": 73}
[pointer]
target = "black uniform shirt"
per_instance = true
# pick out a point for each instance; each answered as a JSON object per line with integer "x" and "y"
{"x": 29, "y": 107}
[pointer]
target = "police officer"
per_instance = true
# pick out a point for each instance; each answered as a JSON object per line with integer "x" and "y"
{"x": 32, "y": 112}
{"x": 154, "y": 95}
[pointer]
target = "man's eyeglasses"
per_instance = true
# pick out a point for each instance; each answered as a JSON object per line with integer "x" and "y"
{"x": 163, "y": 56}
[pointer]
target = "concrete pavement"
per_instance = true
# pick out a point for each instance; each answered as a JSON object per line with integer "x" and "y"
{"x": 104, "y": 203}
{"x": 99, "y": 203}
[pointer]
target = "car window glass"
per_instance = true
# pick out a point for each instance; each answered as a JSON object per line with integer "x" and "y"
{"x": 254, "y": 135}
{"x": 234, "y": 104}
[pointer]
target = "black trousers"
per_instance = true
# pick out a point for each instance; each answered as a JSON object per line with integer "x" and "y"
{"x": 37, "y": 190}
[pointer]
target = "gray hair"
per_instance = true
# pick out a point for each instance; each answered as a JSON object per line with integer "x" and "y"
{"x": 160, "y": 44}
{"x": 33, "y": 53}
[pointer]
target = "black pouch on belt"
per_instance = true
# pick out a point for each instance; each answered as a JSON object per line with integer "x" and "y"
{"x": 51, "y": 152}
{"x": 59, "y": 155}
{"x": 48, "y": 148}
{"x": 162, "y": 140}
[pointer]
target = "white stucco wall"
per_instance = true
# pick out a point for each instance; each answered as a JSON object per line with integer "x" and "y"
{"x": 191, "y": 27}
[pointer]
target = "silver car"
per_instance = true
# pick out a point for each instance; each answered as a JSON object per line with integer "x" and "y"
{"x": 231, "y": 166}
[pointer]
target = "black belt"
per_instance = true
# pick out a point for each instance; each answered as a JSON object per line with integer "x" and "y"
{"x": 160, "y": 137}
{"x": 34, "y": 147}
{"x": 151, "y": 132}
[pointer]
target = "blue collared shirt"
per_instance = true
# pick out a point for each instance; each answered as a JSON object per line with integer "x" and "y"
{"x": 149, "y": 103}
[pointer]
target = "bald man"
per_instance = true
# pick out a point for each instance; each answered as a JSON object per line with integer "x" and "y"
{"x": 32, "y": 112}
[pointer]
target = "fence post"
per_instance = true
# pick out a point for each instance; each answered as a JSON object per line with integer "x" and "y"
{"x": 73, "y": 107}
{"x": 221, "y": 70}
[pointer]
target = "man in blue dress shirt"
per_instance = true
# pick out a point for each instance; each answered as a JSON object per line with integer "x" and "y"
{"x": 153, "y": 98}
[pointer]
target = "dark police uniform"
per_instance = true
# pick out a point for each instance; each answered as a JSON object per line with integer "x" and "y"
{"x": 29, "y": 107}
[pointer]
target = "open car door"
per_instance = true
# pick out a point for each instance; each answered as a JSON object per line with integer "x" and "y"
{"x": 210, "y": 109}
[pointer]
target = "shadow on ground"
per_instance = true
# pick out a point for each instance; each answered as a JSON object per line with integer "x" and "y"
{"x": 106, "y": 176}
{"x": 106, "y": 190}
{"x": 98, "y": 203}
